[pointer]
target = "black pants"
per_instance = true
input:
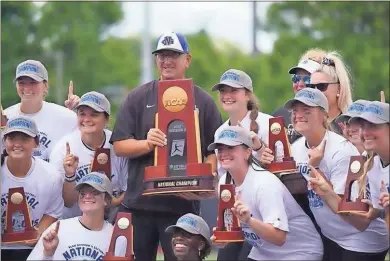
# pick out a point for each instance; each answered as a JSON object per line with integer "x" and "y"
{"x": 148, "y": 230}
{"x": 332, "y": 251}
{"x": 15, "y": 254}
{"x": 234, "y": 251}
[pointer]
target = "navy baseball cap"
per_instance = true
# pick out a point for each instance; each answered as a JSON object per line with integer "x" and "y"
{"x": 172, "y": 41}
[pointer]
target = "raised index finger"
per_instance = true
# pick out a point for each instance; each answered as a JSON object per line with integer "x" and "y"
{"x": 57, "y": 226}
{"x": 70, "y": 90}
{"x": 383, "y": 98}
{"x": 67, "y": 148}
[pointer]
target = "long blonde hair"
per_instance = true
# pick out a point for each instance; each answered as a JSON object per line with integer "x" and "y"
{"x": 333, "y": 65}
{"x": 363, "y": 178}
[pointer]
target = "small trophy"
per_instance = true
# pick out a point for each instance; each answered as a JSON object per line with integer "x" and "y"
{"x": 348, "y": 204}
{"x": 17, "y": 203}
{"x": 178, "y": 166}
{"x": 228, "y": 227}
{"x": 279, "y": 144}
{"x": 284, "y": 165}
{"x": 102, "y": 162}
{"x": 122, "y": 227}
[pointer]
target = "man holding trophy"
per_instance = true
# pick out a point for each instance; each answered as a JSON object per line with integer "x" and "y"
{"x": 165, "y": 126}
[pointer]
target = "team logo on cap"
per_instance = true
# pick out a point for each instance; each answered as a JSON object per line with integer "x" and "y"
{"x": 230, "y": 76}
{"x": 20, "y": 123}
{"x": 92, "y": 178}
{"x": 228, "y": 134}
{"x": 28, "y": 68}
{"x": 175, "y": 99}
{"x": 187, "y": 220}
{"x": 357, "y": 107}
{"x": 168, "y": 40}
{"x": 306, "y": 94}
{"x": 90, "y": 98}
{"x": 375, "y": 109}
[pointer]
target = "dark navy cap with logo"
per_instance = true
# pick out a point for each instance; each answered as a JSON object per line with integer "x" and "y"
{"x": 173, "y": 42}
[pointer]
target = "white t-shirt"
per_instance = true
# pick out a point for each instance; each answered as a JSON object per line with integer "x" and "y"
{"x": 119, "y": 171}
{"x": 43, "y": 189}
{"x": 335, "y": 165}
{"x": 376, "y": 175}
{"x": 270, "y": 201}
{"x": 53, "y": 122}
{"x": 79, "y": 243}
{"x": 263, "y": 122}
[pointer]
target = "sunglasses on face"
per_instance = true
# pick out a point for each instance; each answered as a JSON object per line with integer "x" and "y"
{"x": 323, "y": 86}
{"x": 297, "y": 78}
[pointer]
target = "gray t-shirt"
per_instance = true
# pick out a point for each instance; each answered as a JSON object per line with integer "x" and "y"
{"x": 135, "y": 118}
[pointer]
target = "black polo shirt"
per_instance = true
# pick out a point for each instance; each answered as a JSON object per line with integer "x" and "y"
{"x": 135, "y": 118}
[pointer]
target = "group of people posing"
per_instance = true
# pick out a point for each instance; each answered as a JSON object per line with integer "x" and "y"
{"x": 49, "y": 149}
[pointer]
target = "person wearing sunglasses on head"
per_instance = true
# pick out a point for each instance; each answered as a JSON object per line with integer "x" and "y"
{"x": 352, "y": 130}
{"x": 345, "y": 237}
{"x": 333, "y": 79}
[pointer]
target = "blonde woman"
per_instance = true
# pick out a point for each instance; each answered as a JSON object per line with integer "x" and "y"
{"x": 334, "y": 80}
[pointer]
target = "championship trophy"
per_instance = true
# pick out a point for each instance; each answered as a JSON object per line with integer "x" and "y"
{"x": 102, "y": 162}
{"x": 355, "y": 171}
{"x": 17, "y": 204}
{"x": 228, "y": 227}
{"x": 3, "y": 118}
{"x": 284, "y": 165}
{"x": 123, "y": 227}
{"x": 178, "y": 166}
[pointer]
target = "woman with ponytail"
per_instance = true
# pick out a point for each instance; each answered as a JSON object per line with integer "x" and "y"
{"x": 272, "y": 221}
{"x": 334, "y": 80}
{"x": 237, "y": 99}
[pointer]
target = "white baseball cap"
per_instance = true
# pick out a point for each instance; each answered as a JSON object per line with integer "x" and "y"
{"x": 307, "y": 64}
{"x": 21, "y": 124}
{"x": 311, "y": 97}
{"x": 33, "y": 69}
{"x": 375, "y": 112}
{"x": 96, "y": 101}
{"x": 232, "y": 136}
{"x": 236, "y": 79}
{"x": 172, "y": 41}
{"x": 98, "y": 181}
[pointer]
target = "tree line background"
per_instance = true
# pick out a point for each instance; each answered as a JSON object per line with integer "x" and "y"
{"x": 93, "y": 60}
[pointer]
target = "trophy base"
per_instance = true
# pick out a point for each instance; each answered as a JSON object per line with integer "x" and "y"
{"x": 19, "y": 237}
{"x": 197, "y": 180}
{"x": 294, "y": 181}
{"x": 284, "y": 167}
{"x": 109, "y": 257}
{"x": 353, "y": 207}
{"x": 228, "y": 236}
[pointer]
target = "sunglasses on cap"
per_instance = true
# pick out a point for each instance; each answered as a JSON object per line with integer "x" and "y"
{"x": 323, "y": 86}
{"x": 297, "y": 78}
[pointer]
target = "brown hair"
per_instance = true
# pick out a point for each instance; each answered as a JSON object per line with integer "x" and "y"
{"x": 253, "y": 106}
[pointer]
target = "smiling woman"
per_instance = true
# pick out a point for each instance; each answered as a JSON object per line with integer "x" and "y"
{"x": 190, "y": 238}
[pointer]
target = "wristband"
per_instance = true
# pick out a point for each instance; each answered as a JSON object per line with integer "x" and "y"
{"x": 71, "y": 178}
{"x": 47, "y": 257}
{"x": 259, "y": 147}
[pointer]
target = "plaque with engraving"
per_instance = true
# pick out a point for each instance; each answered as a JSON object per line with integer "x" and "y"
{"x": 178, "y": 167}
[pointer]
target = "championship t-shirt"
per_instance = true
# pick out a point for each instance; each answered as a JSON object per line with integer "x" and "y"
{"x": 43, "y": 189}
{"x": 269, "y": 200}
{"x": 263, "y": 122}
{"x": 77, "y": 242}
{"x": 334, "y": 165}
{"x": 86, "y": 155}
{"x": 53, "y": 122}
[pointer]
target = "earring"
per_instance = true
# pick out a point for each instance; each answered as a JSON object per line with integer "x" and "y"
{"x": 338, "y": 95}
